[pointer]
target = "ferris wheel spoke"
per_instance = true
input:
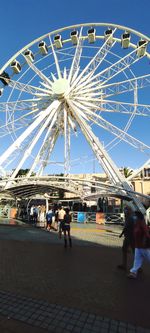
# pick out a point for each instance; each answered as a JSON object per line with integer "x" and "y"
{"x": 125, "y": 86}
{"x": 137, "y": 109}
{"x": 65, "y": 73}
{"x": 43, "y": 115}
{"x": 55, "y": 59}
{"x": 32, "y": 144}
{"x": 103, "y": 158}
{"x": 118, "y": 67}
{"x": 47, "y": 143}
{"x": 27, "y": 88}
{"x": 97, "y": 119}
{"x": 19, "y": 105}
{"x": 94, "y": 63}
{"x": 114, "y": 88}
{"x": 39, "y": 73}
{"x": 76, "y": 59}
{"x": 91, "y": 90}
{"x": 47, "y": 152}
{"x": 23, "y": 119}
{"x": 120, "y": 134}
{"x": 11, "y": 122}
{"x": 96, "y": 85}
{"x": 115, "y": 106}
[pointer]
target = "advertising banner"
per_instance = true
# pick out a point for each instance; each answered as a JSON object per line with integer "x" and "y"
{"x": 100, "y": 218}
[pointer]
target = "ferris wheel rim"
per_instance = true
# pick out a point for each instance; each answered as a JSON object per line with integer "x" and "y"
{"x": 73, "y": 27}
{"x": 120, "y": 27}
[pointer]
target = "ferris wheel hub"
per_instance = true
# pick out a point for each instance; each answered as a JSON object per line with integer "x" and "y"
{"x": 60, "y": 87}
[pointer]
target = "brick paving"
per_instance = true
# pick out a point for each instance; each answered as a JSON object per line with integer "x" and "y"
{"x": 44, "y": 287}
{"x": 57, "y": 318}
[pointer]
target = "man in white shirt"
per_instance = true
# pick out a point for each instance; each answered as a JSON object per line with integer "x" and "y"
{"x": 61, "y": 214}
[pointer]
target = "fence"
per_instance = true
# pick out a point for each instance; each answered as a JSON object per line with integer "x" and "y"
{"x": 91, "y": 217}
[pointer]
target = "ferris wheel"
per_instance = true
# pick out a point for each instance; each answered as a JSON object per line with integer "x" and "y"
{"x": 86, "y": 81}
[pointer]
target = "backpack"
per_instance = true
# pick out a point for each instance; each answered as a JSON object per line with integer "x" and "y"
{"x": 67, "y": 219}
{"x": 49, "y": 216}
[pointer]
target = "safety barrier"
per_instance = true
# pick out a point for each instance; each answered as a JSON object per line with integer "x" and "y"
{"x": 96, "y": 217}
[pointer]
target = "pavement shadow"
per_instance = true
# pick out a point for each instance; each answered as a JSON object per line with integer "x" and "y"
{"x": 84, "y": 276}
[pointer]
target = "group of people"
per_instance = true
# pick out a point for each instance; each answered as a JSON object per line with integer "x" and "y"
{"x": 62, "y": 220}
{"x": 58, "y": 219}
{"x": 136, "y": 233}
{"x": 137, "y": 237}
{"x": 37, "y": 213}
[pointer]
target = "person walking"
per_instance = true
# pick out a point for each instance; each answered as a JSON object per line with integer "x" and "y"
{"x": 66, "y": 228}
{"x": 128, "y": 241}
{"x": 142, "y": 244}
{"x": 31, "y": 214}
{"x": 61, "y": 214}
{"x": 42, "y": 214}
{"x": 35, "y": 215}
{"x": 49, "y": 216}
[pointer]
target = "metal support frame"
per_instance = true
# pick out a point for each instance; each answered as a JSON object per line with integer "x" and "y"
{"x": 104, "y": 159}
{"x": 86, "y": 92}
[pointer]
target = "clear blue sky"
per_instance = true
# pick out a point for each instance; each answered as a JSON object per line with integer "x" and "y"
{"x": 24, "y": 20}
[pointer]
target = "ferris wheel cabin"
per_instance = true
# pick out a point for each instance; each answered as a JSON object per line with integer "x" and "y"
{"x": 125, "y": 40}
{"x": 74, "y": 37}
{"x": 58, "y": 41}
{"x": 43, "y": 48}
{"x": 5, "y": 78}
{"x": 108, "y": 36}
{"x": 29, "y": 55}
{"x": 141, "y": 48}
{"x": 91, "y": 35}
{"x": 16, "y": 67}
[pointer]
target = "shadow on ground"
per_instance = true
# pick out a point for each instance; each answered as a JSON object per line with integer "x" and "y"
{"x": 84, "y": 277}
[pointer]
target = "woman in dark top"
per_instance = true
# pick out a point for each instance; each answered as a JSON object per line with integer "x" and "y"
{"x": 66, "y": 228}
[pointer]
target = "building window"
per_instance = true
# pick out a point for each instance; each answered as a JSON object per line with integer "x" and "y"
{"x": 147, "y": 172}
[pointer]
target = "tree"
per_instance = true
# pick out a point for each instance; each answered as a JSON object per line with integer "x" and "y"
{"x": 127, "y": 172}
{"x": 23, "y": 172}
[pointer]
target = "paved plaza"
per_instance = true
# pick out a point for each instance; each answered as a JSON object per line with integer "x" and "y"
{"x": 47, "y": 288}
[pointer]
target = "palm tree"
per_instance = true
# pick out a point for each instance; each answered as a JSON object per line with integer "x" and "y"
{"x": 127, "y": 172}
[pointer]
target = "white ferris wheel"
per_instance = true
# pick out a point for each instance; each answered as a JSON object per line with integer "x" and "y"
{"x": 87, "y": 80}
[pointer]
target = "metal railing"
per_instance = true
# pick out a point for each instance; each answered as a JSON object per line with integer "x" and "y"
{"x": 90, "y": 217}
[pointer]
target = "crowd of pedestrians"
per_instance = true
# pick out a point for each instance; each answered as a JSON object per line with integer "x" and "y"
{"x": 136, "y": 233}
{"x": 57, "y": 219}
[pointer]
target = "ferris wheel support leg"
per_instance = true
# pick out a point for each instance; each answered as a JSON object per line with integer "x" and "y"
{"x": 104, "y": 159}
{"x": 15, "y": 145}
{"x": 43, "y": 148}
{"x": 51, "y": 144}
{"x": 31, "y": 146}
{"x": 67, "y": 145}
{"x": 136, "y": 172}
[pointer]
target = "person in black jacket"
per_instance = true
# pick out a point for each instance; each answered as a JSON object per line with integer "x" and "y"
{"x": 128, "y": 241}
{"x": 66, "y": 228}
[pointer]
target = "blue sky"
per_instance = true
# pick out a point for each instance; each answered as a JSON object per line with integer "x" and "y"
{"x": 24, "y": 20}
